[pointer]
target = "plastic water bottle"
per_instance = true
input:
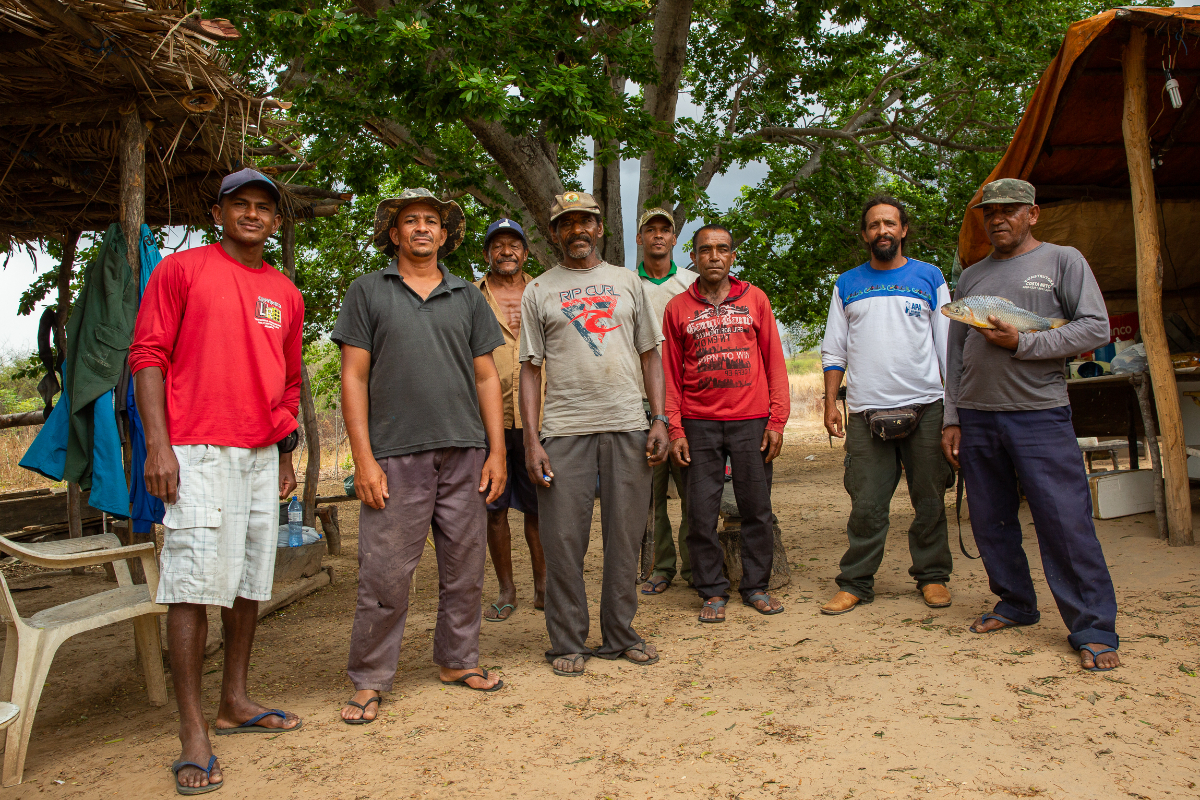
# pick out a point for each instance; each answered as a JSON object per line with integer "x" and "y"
{"x": 295, "y": 523}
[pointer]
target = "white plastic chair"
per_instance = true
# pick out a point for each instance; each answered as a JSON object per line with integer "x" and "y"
{"x": 32, "y": 641}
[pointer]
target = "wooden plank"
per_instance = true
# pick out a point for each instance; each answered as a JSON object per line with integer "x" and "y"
{"x": 1134, "y": 128}
{"x": 46, "y": 509}
{"x": 24, "y": 418}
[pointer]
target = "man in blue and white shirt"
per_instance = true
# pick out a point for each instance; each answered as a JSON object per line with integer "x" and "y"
{"x": 885, "y": 335}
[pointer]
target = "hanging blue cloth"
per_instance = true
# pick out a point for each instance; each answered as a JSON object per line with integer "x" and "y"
{"x": 47, "y": 455}
{"x": 144, "y": 508}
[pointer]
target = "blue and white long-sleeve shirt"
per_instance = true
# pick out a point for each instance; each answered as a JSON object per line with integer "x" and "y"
{"x": 885, "y": 332}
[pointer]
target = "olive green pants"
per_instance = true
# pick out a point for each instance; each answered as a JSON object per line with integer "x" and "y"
{"x": 664, "y": 541}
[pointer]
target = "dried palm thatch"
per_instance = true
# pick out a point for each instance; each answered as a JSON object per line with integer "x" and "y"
{"x": 70, "y": 70}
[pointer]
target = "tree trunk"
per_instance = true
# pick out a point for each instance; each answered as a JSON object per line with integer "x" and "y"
{"x": 672, "y": 21}
{"x": 606, "y": 188}
{"x": 65, "y": 270}
{"x": 1149, "y": 293}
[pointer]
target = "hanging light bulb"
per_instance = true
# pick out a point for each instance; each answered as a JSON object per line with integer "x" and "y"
{"x": 1172, "y": 87}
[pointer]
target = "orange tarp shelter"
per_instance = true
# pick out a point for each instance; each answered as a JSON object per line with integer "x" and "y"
{"x": 1117, "y": 173}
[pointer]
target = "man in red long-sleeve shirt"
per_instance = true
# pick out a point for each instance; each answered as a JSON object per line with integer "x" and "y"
{"x": 727, "y": 397}
{"x": 216, "y": 363}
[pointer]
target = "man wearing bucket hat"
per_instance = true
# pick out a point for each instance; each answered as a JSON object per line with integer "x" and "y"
{"x": 421, "y": 401}
{"x": 1008, "y": 419}
{"x": 662, "y": 280}
{"x": 590, "y": 327}
{"x": 506, "y": 249}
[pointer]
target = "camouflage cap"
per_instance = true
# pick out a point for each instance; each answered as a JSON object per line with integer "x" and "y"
{"x": 573, "y": 201}
{"x": 1007, "y": 190}
{"x": 453, "y": 219}
{"x": 655, "y": 212}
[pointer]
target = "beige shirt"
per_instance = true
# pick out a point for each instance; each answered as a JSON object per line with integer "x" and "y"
{"x": 508, "y": 363}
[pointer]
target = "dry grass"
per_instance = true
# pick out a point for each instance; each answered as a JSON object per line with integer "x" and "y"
{"x": 13, "y": 444}
{"x": 808, "y": 396}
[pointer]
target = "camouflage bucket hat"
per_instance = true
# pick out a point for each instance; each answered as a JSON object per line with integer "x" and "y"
{"x": 1007, "y": 190}
{"x": 453, "y": 219}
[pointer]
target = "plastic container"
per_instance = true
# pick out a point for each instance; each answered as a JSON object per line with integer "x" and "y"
{"x": 295, "y": 524}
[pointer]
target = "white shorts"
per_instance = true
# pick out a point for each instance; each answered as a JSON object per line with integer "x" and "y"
{"x": 223, "y": 529}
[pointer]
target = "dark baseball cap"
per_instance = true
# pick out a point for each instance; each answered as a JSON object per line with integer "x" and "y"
{"x": 248, "y": 177}
{"x": 502, "y": 225}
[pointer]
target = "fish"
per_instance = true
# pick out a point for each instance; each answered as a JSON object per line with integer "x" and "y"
{"x": 976, "y": 310}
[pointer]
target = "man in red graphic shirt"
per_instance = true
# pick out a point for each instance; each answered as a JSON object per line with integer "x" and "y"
{"x": 727, "y": 397}
{"x": 216, "y": 363}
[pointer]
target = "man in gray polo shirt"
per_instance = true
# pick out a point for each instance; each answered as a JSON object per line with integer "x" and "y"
{"x": 422, "y": 404}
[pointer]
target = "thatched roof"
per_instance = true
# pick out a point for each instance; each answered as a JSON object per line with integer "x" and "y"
{"x": 70, "y": 69}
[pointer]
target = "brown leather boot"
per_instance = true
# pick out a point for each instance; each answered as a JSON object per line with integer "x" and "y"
{"x": 840, "y": 604}
{"x": 936, "y": 595}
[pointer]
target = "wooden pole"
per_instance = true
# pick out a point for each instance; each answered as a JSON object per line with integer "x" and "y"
{"x": 1149, "y": 282}
{"x": 1141, "y": 384}
{"x": 65, "y": 270}
{"x": 308, "y": 409}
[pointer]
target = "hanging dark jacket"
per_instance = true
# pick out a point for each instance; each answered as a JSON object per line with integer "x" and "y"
{"x": 98, "y": 336}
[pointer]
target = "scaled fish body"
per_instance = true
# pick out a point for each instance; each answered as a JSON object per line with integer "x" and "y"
{"x": 976, "y": 310}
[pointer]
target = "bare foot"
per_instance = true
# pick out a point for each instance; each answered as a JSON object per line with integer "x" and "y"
{"x": 991, "y": 622}
{"x": 232, "y": 715}
{"x": 769, "y": 605}
{"x": 539, "y": 598}
{"x": 573, "y": 663}
{"x": 656, "y": 585}
{"x": 361, "y": 697}
{"x": 198, "y": 750}
{"x": 1104, "y": 661}
{"x": 713, "y": 610}
{"x": 500, "y": 610}
{"x": 474, "y": 679}
{"x": 641, "y": 654}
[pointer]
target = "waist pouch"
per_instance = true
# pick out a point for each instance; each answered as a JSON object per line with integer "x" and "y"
{"x": 893, "y": 423}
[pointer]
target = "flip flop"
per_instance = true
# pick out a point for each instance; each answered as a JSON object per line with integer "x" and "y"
{"x": 655, "y": 583}
{"x": 463, "y": 681}
{"x": 641, "y": 648}
{"x": 251, "y": 725}
{"x": 755, "y": 597}
{"x": 1005, "y": 623}
{"x": 188, "y": 790}
{"x": 363, "y": 707}
{"x": 1095, "y": 655}
{"x": 499, "y": 611}
{"x": 574, "y": 657}
{"x": 715, "y": 603}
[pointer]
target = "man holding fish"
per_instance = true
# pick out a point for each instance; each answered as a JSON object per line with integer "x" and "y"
{"x": 1007, "y": 419}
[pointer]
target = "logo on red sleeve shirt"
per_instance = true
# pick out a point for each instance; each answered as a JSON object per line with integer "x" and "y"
{"x": 590, "y": 309}
{"x": 268, "y": 313}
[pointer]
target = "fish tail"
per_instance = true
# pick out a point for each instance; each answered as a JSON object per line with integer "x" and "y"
{"x": 1057, "y": 323}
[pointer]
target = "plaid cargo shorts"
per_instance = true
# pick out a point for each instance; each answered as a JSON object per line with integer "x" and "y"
{"x": 223, "y": 528}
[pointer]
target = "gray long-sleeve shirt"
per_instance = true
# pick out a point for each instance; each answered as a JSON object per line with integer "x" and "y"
{"x": 1051, "y": 281}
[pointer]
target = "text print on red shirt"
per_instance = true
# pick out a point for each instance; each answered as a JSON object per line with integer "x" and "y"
{"x": 269, "y": 313}
{"x": 590, "y": 309}
{"x": 711, "y": 330}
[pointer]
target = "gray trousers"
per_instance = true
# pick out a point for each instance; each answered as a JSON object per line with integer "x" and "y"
{"x": 565, "y": 511}
{"x": 873, "y": 469}
{"x": 438, "y": 487}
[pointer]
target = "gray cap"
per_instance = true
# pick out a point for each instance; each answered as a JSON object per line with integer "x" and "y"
{"x": 1007, "y": 190}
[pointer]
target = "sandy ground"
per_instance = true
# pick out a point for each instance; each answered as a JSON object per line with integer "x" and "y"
{"x": 892, "y": 699}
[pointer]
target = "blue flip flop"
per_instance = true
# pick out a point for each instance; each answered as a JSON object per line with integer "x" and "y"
{"x": 251, "y": 725}
{"x": 1095, "y": 663}
{"x": 187, "y": 790}
{"x": 1007, "y": 623}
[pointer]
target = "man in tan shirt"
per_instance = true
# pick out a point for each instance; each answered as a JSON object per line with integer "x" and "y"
{"x": 506, "y": 250}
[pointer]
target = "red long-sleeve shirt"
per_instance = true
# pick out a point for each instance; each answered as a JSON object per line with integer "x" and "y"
{"x": 228, "y": 340}
{"x": 724, "y": 362}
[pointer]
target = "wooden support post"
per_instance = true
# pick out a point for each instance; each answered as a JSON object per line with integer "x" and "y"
{"x": 65, "y": 270}
{"x": 308, "y": 409}
{"x": 1134, "y": 126}
{"x": 1141, "y": 384}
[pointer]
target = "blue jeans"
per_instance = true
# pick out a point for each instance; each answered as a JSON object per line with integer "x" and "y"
{"x": 1038, "y": 448}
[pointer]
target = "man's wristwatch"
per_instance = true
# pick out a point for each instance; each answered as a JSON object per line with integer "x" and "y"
{"x": 661, "y": 418}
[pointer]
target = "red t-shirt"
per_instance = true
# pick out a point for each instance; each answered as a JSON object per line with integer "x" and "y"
{"x": 724, "y": 362}
{"x": 228, "y": 340}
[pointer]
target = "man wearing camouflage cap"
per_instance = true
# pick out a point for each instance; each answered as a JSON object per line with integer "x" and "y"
{"x": 1008, "y": 419}
{"x": 591, "y": 325}
{"x": 423, "y": 410}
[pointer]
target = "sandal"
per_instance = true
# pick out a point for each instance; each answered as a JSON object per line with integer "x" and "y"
{"x": 252, "y": 725}
{"x": 1095, "y": 667}
{"x": 640, "y": 648}
{"x": 483, "y": 673}
{"x": 654, "y": 583}
{"x": 574, "y": 658}
{"x": 1005, "y": 622}
{"x": 716, "y": 604}
{"x": 363, "y": 707}
{"x": 764, "y": 597}
{"x": 500, "y": 611}
{"x": 187, "y": 790}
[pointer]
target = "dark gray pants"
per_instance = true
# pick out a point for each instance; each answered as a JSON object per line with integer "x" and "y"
{"x": 872, "y": 473}
{"x": 438, "y": 487}
{"x": 565, "y": 512}
{"x": 710, "y": 442}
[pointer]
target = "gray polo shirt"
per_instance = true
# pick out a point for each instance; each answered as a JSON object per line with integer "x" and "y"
{"x": 422, "y": 384}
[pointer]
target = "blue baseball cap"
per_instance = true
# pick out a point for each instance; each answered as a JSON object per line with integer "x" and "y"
{"x": 247, "y": 177}
{"x": 501, "y": 225}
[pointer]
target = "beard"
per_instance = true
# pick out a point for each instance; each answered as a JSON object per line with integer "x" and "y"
{"x": 885, "y": 248}
{"x": 574, "y": 249}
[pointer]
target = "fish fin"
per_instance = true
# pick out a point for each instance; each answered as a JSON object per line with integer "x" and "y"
{"x": 1055, "y": 322}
